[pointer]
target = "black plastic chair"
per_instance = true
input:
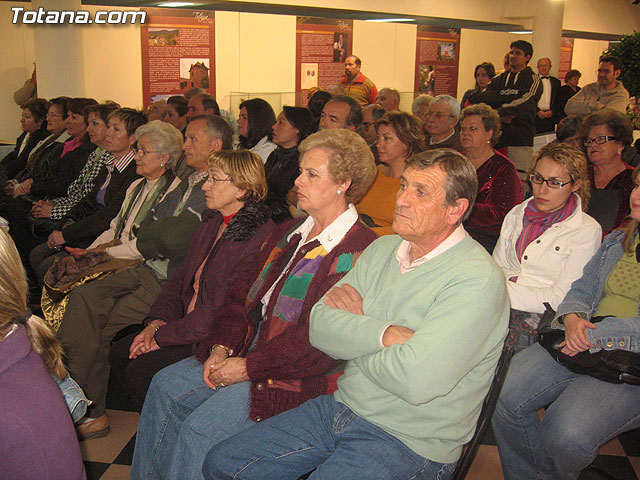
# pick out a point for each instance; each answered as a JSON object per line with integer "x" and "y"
{"x": 488, "y": 406}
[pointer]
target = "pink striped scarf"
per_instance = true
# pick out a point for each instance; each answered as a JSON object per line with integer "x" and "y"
{"x": 535, "y": 222}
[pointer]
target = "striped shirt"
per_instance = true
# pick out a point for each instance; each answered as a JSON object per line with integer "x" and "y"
{"x": 362, "y": 90}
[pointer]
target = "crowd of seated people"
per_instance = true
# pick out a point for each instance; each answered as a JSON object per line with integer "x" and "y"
{"x": 220, "y": 258}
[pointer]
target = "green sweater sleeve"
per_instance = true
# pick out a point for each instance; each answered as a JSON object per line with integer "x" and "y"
{"x": 344, "y": 335}
{"x": 450, "y": 341}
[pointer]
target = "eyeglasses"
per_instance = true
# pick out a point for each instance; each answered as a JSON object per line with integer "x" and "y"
{"x": 599, "y": 140}
{"x": 213, "y": 180}
{"x": 551, "y": 182}
{"x": 438, "y": 115}
{"x": 142, "y": 152}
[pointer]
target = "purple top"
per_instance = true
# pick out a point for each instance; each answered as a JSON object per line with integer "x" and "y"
{"x": 38, "y": 440}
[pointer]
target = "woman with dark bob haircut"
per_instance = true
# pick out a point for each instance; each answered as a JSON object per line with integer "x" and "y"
{"x": 176, "y": 112}
{"x": 400, "y": 136}
{"x": 34, "y": 129}
{"x": 499, "y": 187}
{"x": 605, "y": 135}
{"x": 569, "y": 89}
{"x": 483, "y": 74}
{"x": 257, "y": 360}
{"x": 255, "y": 123}
{"x": 292, "y": 126}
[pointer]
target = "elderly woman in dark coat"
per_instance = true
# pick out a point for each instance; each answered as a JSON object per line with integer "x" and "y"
{"x": 224, "y": 246}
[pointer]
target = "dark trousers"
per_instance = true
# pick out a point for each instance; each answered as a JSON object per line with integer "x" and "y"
{"x": 135, "y": 375}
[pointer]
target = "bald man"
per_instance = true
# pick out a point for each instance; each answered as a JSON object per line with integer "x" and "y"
{"x": 548, "y": 109}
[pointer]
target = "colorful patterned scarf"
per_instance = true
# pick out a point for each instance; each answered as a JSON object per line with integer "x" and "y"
{"x": 535, "y": 222}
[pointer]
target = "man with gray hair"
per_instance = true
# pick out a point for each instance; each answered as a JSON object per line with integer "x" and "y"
{"x": 440, "y": 124}
{"x": 389, "y": 99}
{"x": 419, "y": 360}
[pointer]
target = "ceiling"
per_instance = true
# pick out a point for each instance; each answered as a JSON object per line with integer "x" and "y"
{"x": 433, "y": 22}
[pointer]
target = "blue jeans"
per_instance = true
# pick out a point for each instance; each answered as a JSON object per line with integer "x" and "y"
{"x": 182, "y": 419}
{"x": 584, "y": 413}
{"x": 322, "y": 434}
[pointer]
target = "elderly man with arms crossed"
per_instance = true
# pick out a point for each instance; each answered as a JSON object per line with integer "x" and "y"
{"x": 421, "y": 320}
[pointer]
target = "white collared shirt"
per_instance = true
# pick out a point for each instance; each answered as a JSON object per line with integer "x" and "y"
{"x": 403, "y": 254}
{"x": 545, "y": 99}
{"x": 328, "y": 238}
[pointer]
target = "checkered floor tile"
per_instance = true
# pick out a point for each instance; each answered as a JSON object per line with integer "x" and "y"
{"x": 109, "y": 458}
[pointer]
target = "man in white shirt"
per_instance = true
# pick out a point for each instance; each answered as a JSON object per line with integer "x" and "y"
{"x": 547, "y": 114}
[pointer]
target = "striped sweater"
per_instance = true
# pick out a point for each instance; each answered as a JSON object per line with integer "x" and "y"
{"x": 283, "y": 367}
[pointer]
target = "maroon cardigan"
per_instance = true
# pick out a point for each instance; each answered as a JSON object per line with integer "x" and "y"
{"x": 499, "y": 190}
{"x": 234, "y": 255}
{"x": 288, "y": 355}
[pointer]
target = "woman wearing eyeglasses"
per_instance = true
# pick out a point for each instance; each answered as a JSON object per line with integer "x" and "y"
{"x": 546, "y": 240}
{"x": 499, "y": 187}
{"x": 223, "y": 248}
{"x": 605, "y": 135}
{"x": 582, "y": 412}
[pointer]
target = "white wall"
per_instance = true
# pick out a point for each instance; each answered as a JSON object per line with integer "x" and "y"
{"x": 477, "y": 46}
{"x": 16, "y": 64}
{"x": 113, "y": 62}
{"x": 585, "y": 58}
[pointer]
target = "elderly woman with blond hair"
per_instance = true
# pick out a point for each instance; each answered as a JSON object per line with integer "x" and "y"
{"x": 399, "y": 136}
{"x": 224, "y": 247}
{"x": 546, "y": 241}
{"x": 257, "y": 360}
{"x": 38, "y": 440}
{"x": 499, "y": 188}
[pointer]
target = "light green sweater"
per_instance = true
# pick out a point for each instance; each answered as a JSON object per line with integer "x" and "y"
{"x": 427, "y": 392}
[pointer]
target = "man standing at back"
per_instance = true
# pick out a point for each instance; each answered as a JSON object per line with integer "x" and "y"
{"x": 357, "y": 86}
{"x": 547, "y": 114}
{"x": 515, "y": 95}
{"x": 607, "y": 92}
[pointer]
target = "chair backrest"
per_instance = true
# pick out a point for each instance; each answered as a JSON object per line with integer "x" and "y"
{"x": 488, "y": 406}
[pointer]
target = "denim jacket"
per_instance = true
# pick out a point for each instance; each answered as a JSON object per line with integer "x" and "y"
{"x": 584, "y": 296}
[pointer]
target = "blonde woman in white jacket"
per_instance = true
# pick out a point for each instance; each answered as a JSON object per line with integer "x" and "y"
{"x": 546, "y": 241}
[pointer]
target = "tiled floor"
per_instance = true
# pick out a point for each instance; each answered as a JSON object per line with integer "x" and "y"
{"x": 108, "y": 458}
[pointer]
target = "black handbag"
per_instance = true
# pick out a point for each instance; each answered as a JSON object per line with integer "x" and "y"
{"x": 613, "y": 366}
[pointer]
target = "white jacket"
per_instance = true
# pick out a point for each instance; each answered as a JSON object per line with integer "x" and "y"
{"x": 550, "y": 263}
